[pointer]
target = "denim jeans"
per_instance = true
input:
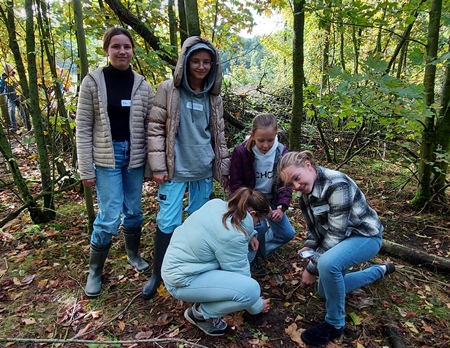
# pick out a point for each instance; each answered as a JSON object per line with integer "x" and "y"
{"x": 119, "y": 193}
{"x": 335, "y": 282}
{"x": 220, "y": 293}
{"x": 277, "y": 234}
{"x": 170, "y": 198}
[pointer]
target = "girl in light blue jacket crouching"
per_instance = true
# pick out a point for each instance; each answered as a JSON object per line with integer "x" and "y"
{"x": 206, "y": 261}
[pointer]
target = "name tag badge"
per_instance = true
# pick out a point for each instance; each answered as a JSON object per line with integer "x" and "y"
{"x": 321, "y": 209}
{"x": 194, "y": 106}
{"x": 126, "y": 103}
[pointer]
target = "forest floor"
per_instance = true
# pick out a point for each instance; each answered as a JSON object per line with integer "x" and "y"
{"x": 43, "y": 270}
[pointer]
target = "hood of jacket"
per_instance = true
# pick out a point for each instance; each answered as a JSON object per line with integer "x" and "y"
{"x": 190, "y": 45}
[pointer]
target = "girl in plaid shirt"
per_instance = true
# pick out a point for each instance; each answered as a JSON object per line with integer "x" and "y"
{"x": 343, "y": 231}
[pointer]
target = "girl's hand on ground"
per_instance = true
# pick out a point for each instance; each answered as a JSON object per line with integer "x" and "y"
{"x": 308, "y": 278}
{"x": 266, "y": 306}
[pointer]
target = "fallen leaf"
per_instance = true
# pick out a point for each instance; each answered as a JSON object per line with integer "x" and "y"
{"x": 29, "y": 321}
{"x": 144, "y": 335}
{"x": 294, "y": 333}
{"x": 428, "y": 328}
{"x": 121, "y": 325}
{"x": 28, "y": 279}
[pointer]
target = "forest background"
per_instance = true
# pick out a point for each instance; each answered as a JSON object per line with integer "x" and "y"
{"x": 364, "y": 84}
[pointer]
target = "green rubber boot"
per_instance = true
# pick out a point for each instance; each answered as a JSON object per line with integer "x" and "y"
{"x": 132, "y": 243}
{"x": 97, "y": 258}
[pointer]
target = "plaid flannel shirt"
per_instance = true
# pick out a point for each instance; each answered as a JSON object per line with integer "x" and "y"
{"x": 334, "y": 210}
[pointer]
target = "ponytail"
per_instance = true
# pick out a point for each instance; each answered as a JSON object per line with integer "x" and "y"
{"x": 240, "y": 203}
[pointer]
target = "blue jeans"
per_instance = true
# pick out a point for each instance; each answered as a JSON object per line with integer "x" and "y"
{"x": 335, "y": 282}
{"x": 119, "y": 193}
{"x": 170, "y": 198}
{"x": 278, "y": 234}
{"x": 220, "y": 293}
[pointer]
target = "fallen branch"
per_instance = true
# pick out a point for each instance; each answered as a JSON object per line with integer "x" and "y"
{"x": 150, "y": 340}
{"x": 395, "y": 337}
{"x": 416, "y": 257}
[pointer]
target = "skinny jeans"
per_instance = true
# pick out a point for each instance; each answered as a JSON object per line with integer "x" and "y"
{"x": 220, "y": 293}
{"x": 119, "y": 196}
{"x": 334, "y": 281}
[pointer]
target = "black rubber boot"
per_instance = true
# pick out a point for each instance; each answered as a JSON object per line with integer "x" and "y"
{"x": 132, "y": 242}
{"x": 97, "y": 258}
{"x": 162, "y": 241}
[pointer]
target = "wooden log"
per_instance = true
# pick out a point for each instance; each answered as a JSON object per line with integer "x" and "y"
{"x": 416, "y": 257}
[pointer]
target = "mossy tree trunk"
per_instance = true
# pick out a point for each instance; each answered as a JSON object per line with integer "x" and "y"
{"x": 295, "y": 137}
{"x": 193, "y": 23}
{"x": 84, "y": 68}
{"x": 44, "y": 164}
{"x": 428, "y": 145}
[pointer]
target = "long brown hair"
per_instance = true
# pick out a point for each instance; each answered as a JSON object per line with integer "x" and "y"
{"x": 261, "y": 121}
{"x": 240, "y": 203}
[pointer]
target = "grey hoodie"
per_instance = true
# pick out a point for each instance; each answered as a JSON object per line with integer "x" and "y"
{"x": 194, "y": 153}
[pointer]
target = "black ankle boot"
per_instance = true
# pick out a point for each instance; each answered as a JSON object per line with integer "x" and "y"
{"x": 321, "y": 334}
{"x": 162, "y": 241}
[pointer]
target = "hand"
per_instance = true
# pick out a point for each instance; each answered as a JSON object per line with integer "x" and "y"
{"x": 159, "y": 178}
{"x": 307, "y": 279}
{"x": 254, "y": 243}
{"x": 88, "y": 182}
{"x": 225, "y": 180}
{"x": 276, "y": 215}
{"x": 266, "y": 305}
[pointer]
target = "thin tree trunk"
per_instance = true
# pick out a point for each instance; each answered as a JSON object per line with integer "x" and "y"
{"x": 173, "y": 28}
{"x": 427, "y": 147}
{"x": 183, "y": 22}
{"x": 193, "y": 23}
{"x": 84, "y": 68}
{"x": 442, "y": 140}
{"x": 295, "y": 138}
{"x": 44, "y": 165}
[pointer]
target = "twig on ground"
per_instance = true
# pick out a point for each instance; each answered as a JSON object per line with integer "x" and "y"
{"x": 110, "y": 320}
{"x": 150, "y": 340}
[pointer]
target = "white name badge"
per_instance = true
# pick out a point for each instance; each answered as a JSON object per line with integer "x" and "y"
{"x": 194, "y": 106}
{"x": 321, "y": 209}
{"x": 126, "y": 103}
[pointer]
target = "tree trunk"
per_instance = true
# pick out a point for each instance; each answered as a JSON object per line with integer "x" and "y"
{"x": 84, "y": 68}
{"x": 416, "y": 257}
{"x": 44, "y": 164}
{"x": 193, "y": 23}
{"x": 442, "y": 140}
{"x": 173, "y": 28}
{"x": 10, "y": 23}
{"x": 19, "y": 181}
{"x": 427, "y": 148}
{"x": 183, "y": 23}
{"x": 129, "y": 18}
{"x": 295, "y": 138}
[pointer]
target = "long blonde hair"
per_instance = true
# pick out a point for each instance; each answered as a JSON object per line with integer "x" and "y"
{"x": 239, "y": 204}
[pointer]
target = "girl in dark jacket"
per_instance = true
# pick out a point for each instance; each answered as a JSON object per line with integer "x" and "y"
{"x": 253, "y": 165}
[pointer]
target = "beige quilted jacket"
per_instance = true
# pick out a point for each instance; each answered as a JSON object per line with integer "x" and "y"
{"x": 165, "y": 119}
{"x": 93, "y": 132}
